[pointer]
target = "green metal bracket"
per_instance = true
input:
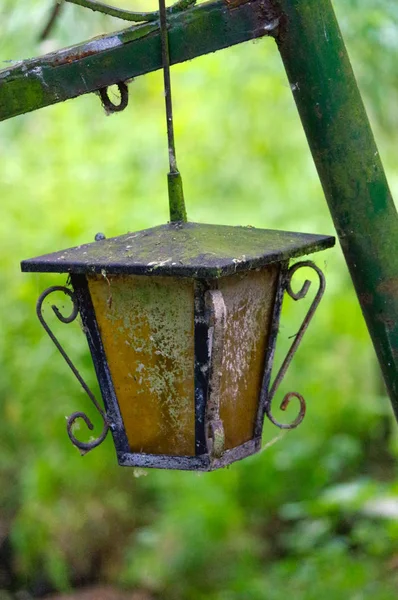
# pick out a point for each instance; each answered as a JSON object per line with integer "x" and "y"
{"x": 328, "y": 101}
{"x": 109, "y": 59}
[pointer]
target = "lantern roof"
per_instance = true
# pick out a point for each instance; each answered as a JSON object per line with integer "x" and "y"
{"x": 182, "y": 249}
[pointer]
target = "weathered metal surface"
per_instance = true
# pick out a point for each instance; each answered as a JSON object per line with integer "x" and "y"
{"x": 118, "y": 57}
{"x": 349, "y": 166}
{"x": 268, "y": 394}
{"x": 181, "y": 362}
{"x": 83, "y": 446}
{"x": 190, "y": 463}
{"x": 184, "y": 250}
{"x": 147, "y": 329}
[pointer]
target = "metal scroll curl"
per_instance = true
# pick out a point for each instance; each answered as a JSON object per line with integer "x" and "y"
{"x": 83, "y": 446}
{"x": 299, "y": 336}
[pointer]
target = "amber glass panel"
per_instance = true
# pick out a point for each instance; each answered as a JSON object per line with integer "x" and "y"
{"x": 249, "y": 300}
{"x": 147, "y": 328}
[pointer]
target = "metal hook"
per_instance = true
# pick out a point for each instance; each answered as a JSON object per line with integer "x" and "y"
{"x": 285, "y": 365}
{"x": 83, "y": 446}
{"x": 109, "y": 106}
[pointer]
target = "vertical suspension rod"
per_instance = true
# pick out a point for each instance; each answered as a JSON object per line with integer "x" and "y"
{"x": 175, "y": 189}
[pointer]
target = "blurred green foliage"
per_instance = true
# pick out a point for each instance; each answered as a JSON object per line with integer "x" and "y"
{"x": 315, "y": 515}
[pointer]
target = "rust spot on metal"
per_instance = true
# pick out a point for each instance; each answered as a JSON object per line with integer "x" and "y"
{"x": 366, "y": 299}
{"x": 71, "y": 58}
{"x": 318, "y": 111}
{"x": 389, "y": 286}
{"x": 389, "y": 323}
{"x": 235, "y": 3}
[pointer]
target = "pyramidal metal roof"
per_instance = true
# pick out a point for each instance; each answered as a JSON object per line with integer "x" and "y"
{"x": 182, "y": 249}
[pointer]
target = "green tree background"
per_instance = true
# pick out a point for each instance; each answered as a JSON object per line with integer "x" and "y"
{"x": 315, "y": 515}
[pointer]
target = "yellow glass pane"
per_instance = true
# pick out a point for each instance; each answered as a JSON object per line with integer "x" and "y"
{"x": 249, "y": 300}
{"x": 147, "y": 328}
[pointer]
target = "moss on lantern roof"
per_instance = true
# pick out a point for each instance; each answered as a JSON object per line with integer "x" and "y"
{"x": 182, "y": 249}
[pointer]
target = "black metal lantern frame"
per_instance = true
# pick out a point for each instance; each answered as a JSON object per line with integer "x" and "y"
{"x": 182, "y": 251}
{"x": 181, "y": 321}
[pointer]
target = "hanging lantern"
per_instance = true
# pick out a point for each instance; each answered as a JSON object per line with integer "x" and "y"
{"x": 181, "y": 321}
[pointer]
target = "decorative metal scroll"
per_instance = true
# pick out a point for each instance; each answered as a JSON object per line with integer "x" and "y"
{"x": 298, "y": 337}
{"x": 83, "y": 446}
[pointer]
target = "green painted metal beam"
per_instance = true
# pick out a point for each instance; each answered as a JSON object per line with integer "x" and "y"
{"x": 349, "y": 167}
{"x": 106, "y": 60}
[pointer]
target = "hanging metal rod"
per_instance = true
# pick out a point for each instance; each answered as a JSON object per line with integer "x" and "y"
{"x": 32, "y": 84}
{"x": 174, "y": 180}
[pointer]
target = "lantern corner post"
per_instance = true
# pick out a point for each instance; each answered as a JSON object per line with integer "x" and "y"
{"x": 349, "y": 166}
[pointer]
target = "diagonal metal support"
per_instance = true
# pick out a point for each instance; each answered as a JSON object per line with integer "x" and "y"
{"x": 109, "y": 59}
{"x": 349, "y": 167}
